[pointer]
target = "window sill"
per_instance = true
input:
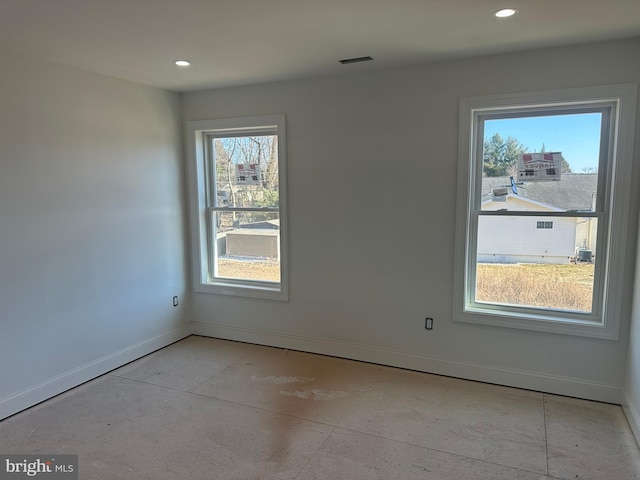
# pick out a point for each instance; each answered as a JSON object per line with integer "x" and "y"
{"x": 275, "y": 292}
{"x": 567, "y": 325}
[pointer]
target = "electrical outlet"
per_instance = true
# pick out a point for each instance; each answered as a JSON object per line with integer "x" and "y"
{"x": 175, "y": 301}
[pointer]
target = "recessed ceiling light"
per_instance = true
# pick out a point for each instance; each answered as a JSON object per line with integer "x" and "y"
{"x": 182, "y": 63}
{"x": 505, "y": 12}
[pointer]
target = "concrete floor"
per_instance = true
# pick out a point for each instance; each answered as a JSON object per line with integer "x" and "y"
{"x": 213, "y": 409}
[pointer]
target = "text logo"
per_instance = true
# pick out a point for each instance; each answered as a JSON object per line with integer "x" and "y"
{"x": 49, "y": 467}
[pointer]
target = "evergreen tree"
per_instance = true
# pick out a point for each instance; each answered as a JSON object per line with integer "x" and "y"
{"x": 500, "y": 156}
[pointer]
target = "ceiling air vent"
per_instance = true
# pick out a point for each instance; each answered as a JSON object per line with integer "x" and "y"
{"x": 355, "y": 60}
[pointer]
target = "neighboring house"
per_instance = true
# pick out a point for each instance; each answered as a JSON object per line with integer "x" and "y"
{"x": 253, "y": 242}
{"x": 538, "y": 239}
{"x": 259, "y": 240}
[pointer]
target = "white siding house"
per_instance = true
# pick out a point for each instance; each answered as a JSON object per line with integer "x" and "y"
{"x": 506, "y": 239}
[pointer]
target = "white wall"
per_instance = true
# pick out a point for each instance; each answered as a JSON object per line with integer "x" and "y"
{"x": 92, "y": 226}
{"x": 631, "y": 401}
{"x": 372, "y": 191}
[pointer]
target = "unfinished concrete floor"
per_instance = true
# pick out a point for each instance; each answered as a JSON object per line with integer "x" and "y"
{"x": 212, "y": 409}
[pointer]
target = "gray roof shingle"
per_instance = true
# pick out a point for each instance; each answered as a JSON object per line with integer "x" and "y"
{"x": 575, "y": 191}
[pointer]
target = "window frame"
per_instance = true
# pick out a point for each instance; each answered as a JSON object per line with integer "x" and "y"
{"x": 612, "y": 211}
{"x": 202, "y": 194}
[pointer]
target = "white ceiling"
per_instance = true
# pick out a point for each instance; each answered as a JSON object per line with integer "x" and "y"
{"x": 235, "y": 42}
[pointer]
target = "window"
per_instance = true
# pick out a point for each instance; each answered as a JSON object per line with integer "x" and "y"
{"x": 561, "y": 160}
{"x": 544, "y": 225}
{"x": 238, "y": 199}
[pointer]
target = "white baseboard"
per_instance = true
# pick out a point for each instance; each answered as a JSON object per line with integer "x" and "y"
{"x": 31, "y": 396}
{"x": 633, "y": 416}
{"x": 572, "y": 387}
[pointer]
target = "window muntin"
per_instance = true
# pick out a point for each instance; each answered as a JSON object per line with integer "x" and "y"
{"x": 237, "y": 172}
{"x": 605, "y": 220}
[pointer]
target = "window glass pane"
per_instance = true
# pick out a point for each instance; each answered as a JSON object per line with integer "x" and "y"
{"x": 522, "y": 264}
{"x": 248, "y": 245}
{"x": 246, "y": 171}
{"x": 541, "y": 163}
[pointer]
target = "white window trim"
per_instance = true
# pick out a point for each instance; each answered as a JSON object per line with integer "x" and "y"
{"x": 196, "y": 133}
{"x": 605, "y": 323}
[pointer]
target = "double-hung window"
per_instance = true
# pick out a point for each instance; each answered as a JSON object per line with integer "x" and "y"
{"x": 238, "y": 206}
{"x": 543, "y": 192}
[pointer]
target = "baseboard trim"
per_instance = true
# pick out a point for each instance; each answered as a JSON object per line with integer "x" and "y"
{"x": 568, "y": 386}
{"x": 572, "y": 387}
{"x": 632, "y": 414}
{"x": 33, "y": 395}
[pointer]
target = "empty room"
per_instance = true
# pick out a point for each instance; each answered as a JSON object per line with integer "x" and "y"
{"x": 319, "y": 240}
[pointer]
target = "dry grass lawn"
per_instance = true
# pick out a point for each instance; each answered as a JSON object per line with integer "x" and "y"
{"x": 565, "y": 287}
{"x": 249, "y": 269}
